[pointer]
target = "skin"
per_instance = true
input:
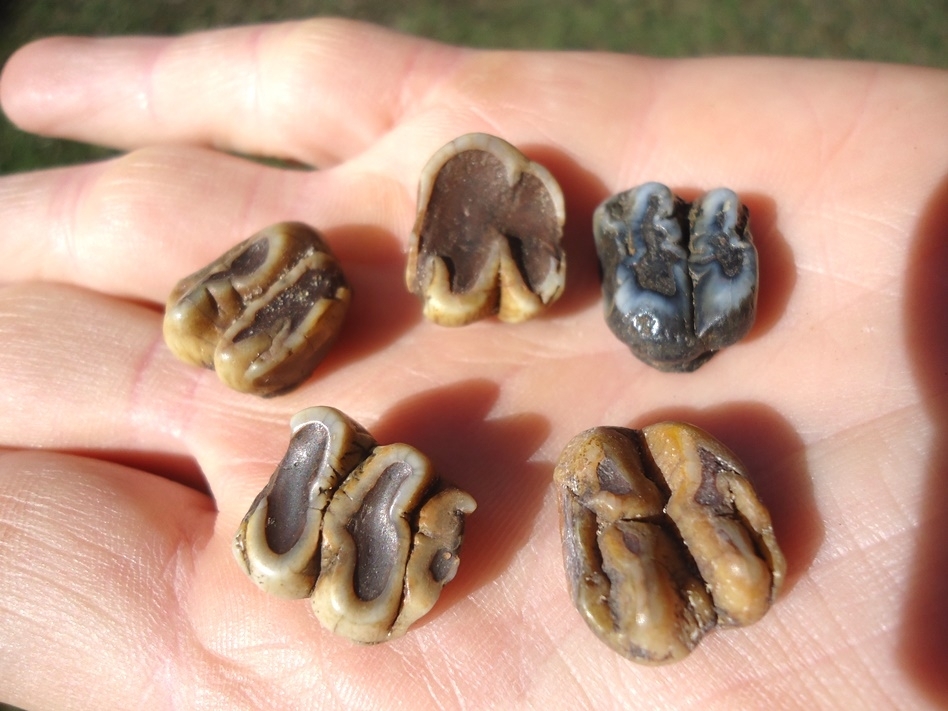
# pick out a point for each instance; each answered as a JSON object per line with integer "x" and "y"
{"x": 124, "y": 473}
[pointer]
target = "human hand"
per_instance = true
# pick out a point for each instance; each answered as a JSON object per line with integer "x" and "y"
{"x": 124, "y": 472}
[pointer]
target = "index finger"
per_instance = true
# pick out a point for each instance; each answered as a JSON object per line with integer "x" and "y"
{"x": 316, "y": 91}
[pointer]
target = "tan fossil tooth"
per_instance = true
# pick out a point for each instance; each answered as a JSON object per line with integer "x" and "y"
{"x": 664, "y": 538}
{"x": 264, "y": 314}
{"x": 367, "y": 531}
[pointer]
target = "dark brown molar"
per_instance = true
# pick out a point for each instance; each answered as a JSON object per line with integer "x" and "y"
{"x": 487, "y": 237}
{"x": 664, "y": 538}
{"x": 368, "y": 531}
{"x": 264, "y": 314}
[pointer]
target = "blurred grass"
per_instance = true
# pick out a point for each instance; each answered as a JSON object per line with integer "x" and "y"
{"x": 906, "y": 31}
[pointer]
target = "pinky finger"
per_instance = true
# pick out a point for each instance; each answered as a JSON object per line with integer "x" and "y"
{"x": 97, "y": 558}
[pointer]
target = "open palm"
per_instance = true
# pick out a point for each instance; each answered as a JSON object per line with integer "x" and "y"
{"x": 124, "y": 472}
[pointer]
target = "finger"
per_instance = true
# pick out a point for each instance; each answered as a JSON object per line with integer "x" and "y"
{"x": 86, "y": 373}
{"x": 137, "y": 224}
{"x": 313, "y": 91}
{"x": 98, "y": 561}
{"x": 331, "y": 88}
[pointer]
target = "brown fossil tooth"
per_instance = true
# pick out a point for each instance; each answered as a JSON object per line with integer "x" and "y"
{"x": 487, "y": 239}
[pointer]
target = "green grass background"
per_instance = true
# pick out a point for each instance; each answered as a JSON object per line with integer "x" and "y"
{"x": 907, "y": 31}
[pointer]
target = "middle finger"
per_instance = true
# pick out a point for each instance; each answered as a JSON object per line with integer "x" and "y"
{"x": 134, "y": 225}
